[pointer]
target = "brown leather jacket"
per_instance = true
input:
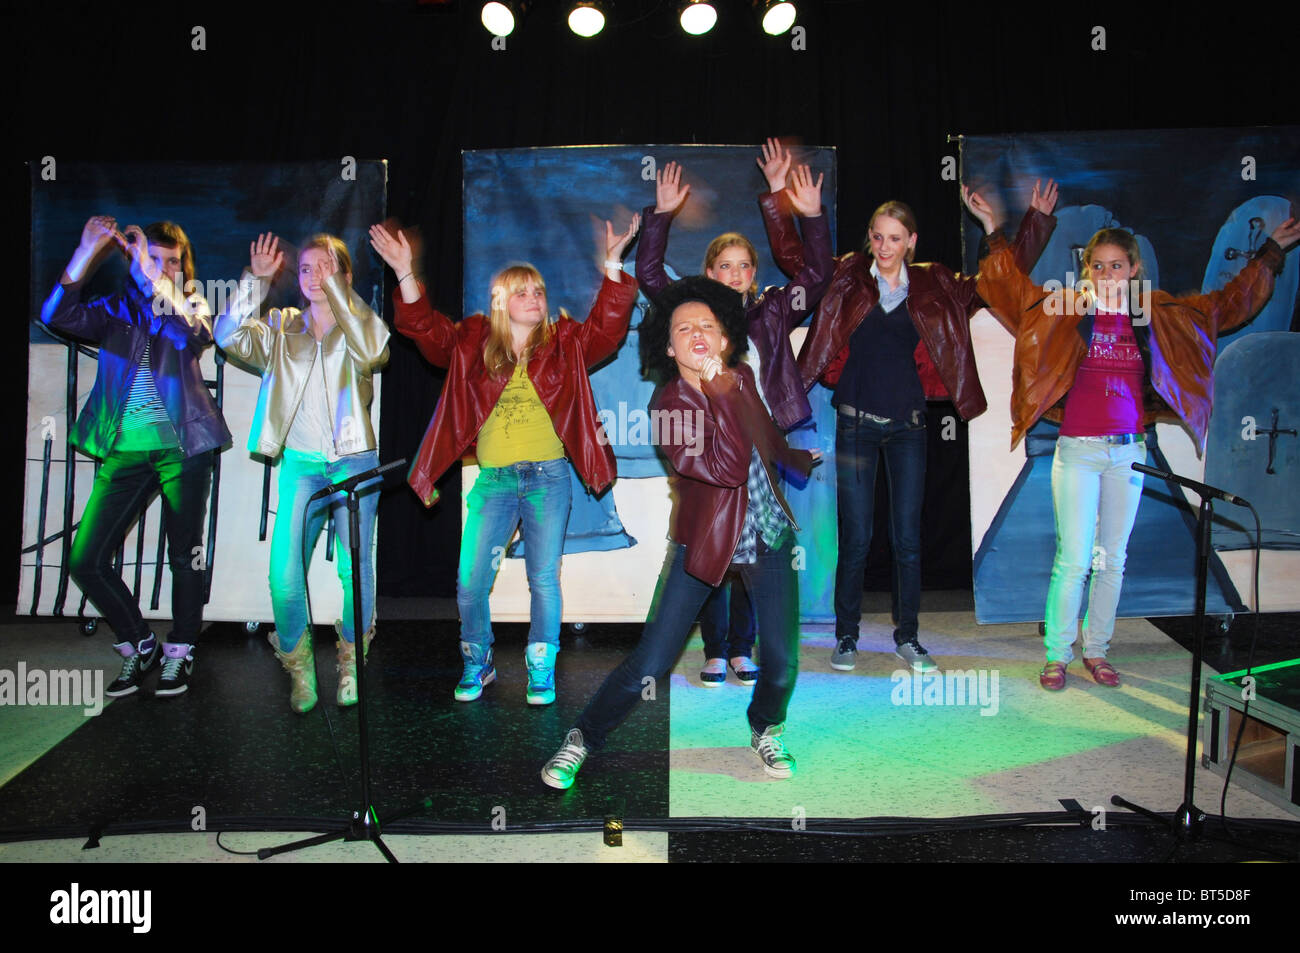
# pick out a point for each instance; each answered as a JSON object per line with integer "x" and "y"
{"x": 1178, "y": 344}
{"x": 718, "y": 429}
{"x": 558, "y": 371}
{"x": 941, "y": 305}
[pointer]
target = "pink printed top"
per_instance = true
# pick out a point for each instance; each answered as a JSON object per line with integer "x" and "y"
{"x": 1107, "y": 394}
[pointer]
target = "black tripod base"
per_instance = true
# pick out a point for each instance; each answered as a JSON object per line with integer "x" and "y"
{"x": 1186, "y": 824}
{"x": 360, "y": 827}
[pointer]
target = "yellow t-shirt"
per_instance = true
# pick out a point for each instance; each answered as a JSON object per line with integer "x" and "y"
{"x": 519, "y": 428}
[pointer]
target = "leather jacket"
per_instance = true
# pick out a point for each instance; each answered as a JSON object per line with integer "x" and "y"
{"x": 720, "y": 428}
{"x": 941, "y": 304}
{"x": 1178, "y": 342}
{"x": 558, "y": 371}
{"x": 120, "y": 325}
{"x": 283, "y": 351}
{"x": 778, "y": 311}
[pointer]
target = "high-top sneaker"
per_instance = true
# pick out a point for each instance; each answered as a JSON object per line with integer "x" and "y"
{"x": 177, "y": 666}
{"x": 479, "y": 671}
{"x": 540, "y": 659}
{"x": 136, "y": 661}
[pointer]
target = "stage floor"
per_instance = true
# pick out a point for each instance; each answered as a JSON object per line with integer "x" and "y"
{"x": 872, "y": 743}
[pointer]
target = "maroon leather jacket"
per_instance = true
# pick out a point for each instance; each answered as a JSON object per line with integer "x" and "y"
{"x": 719, "y": 429}
{"x": 558, "y": 371}
{"x": 941, "y": 305}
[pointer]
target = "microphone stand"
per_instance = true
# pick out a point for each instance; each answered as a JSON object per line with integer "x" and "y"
{"x": 364, "y": 823}
{"x": 1187, "y": 822}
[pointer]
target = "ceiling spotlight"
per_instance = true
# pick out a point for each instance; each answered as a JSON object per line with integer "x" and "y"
{"x": 698, "y": 17}
{"x": 777, "y": 17}
{"x": 586, "y": 19}
{"x": 498, "y": 18}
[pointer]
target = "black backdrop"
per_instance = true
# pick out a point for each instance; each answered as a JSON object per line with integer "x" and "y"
{"x": 417, "y": 82}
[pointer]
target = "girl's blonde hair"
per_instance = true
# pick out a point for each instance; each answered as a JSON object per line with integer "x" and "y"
{"x": 900, "y": 212}
{"x": 1121, "y": 239}
{"x": 732, "y": 240}
{"x": 499, "y": 352}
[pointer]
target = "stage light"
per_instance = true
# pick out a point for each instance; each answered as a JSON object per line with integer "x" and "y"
{"x": 586, "y": 19}
{"x": 698, "y": 17}
{"x": 777, "y": 17}
{"x": 498, "y": 18}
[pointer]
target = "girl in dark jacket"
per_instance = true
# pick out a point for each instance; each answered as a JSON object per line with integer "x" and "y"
{"x": 155, "y": 426}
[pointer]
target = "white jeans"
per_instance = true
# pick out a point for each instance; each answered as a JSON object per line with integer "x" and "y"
{"x": 1095, "y": 494}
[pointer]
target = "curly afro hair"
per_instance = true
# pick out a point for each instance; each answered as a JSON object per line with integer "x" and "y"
{"x": 655, "y": 336}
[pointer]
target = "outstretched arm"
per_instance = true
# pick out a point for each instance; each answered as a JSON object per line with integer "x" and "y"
{"x": 670, "y": 195}
{"x": 239, "y": 330}
{"x": 64, "y": 309}
{"x": 366, "y": 334}
{"x": 607, "y": 322}
{"x": 1035, "y": 228}
{"x": 1242, "y": 298}
{"x": 414, "y": 317}
{"x": 799, "y": 298}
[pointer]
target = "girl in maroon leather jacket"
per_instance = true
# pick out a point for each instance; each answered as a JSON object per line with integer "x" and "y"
{"x": 727, "y": 620}
{"x": 889, "y": 335}
{"x": 729, "y": 514}
{"x": 517, "y": 391}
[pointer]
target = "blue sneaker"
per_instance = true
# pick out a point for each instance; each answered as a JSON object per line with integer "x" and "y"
{"x": 540, "y": 659}
{"x": 479, "y": 671}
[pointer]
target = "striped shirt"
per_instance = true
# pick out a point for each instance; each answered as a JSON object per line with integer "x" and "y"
{"x": 144, "y": 423}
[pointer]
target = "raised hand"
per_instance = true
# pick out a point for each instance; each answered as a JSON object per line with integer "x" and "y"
{"x": 979, "y": 208}
{"x": 137, "y": 249}
{"x": 669, "y": 191}
{"x": 396, "y": 252}
{"x": 775, "y": 163}
{"x": 265, "y": 257}
{"x": 805, "y": 194}
{"x": 1044, "y": 200}
{"x": 616, "y": 244}
{"x": 1287, "y": 233}
{"x": 99, "y": 231}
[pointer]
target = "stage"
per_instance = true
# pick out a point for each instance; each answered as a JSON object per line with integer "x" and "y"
{"x": 958, "y": 769}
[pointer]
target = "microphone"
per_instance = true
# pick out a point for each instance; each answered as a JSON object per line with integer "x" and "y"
{"x": 1212, "y": 492}
{"x": 350, "y": 482}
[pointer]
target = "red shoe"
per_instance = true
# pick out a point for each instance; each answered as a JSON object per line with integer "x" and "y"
{"x": 1102, "y": 672}
{"x": 1052, "y": 677}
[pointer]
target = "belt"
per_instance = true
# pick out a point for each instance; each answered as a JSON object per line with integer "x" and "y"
{"x": 849, "y": 411}
{"x": 1116, "y": 439}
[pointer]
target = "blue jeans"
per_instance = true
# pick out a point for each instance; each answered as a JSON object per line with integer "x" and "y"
{"x": 537, "y": 495}
{"x": 859, "y": 445}
{"x": 727, "y": 621}
{"x": 770, "y": 581}
{"x": 1095, "y": 493}
{"x": 298, "y": 526}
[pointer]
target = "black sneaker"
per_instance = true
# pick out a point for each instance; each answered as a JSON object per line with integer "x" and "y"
{"x": 134, "y": 666}
{"x": 177, "y": 666}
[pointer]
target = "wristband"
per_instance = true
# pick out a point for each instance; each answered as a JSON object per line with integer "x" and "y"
{"x": 611, "y": 263}
{"x": 407, "y": 275}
